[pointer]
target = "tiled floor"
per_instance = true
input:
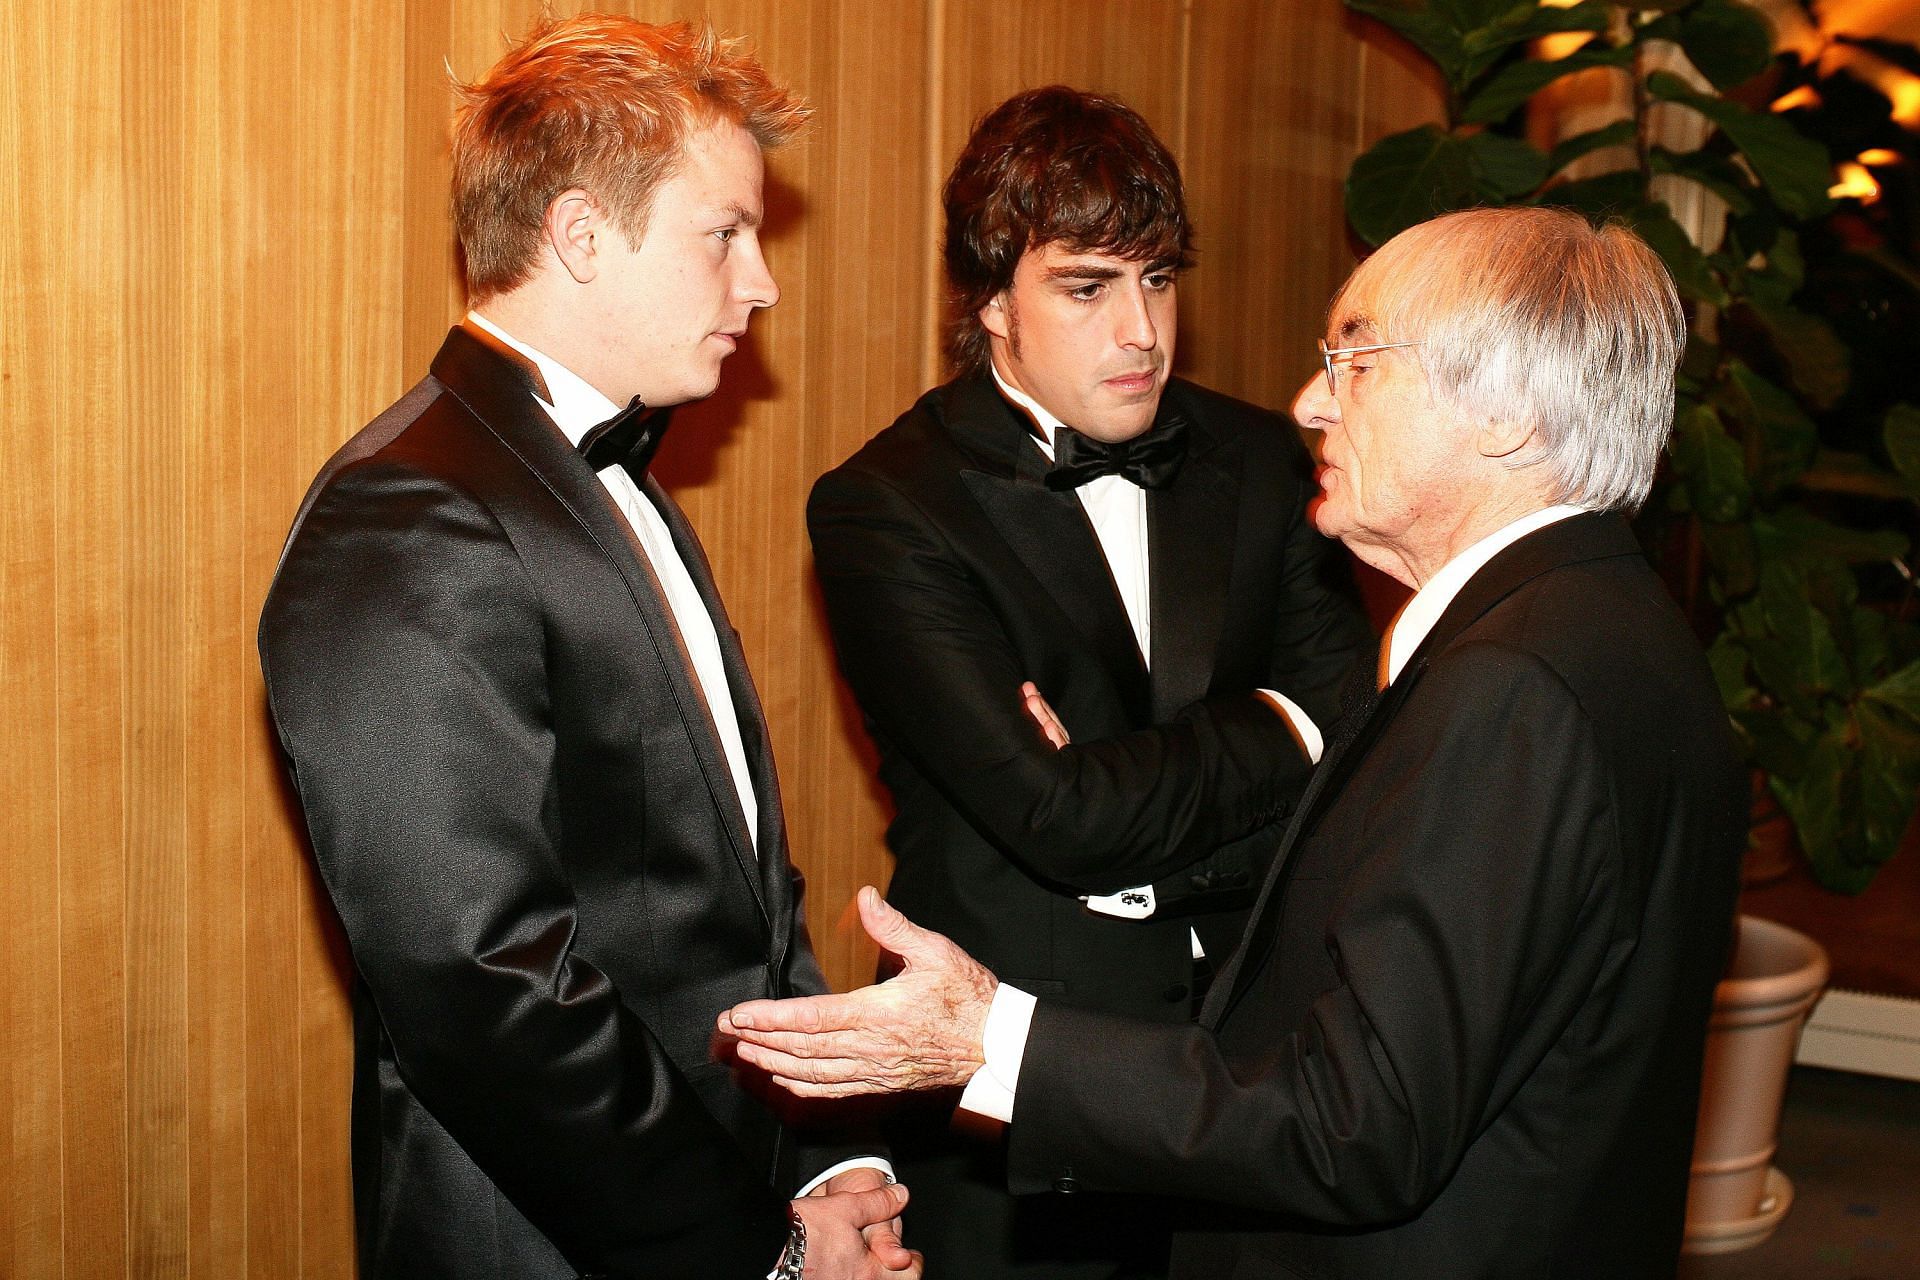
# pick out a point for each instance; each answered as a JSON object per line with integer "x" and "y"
{"x": 1851, "y": 1145}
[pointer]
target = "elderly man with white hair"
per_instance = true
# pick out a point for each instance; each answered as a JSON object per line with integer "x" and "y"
{"x": 1462, "y": 1033}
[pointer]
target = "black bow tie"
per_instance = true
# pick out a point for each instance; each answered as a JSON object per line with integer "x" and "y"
{"x": 629, "y": 438}
{"x": 1150, "y": 460}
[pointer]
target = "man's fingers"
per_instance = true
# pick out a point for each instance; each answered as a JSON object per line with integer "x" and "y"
{"x": 1043, "y": 715}
{"x": 883, "y": 1242}
{"x": 870, "y": 1208}
{"x": 799, "y": 1044}
{"x": 820, "y": 1071}
{"x": 807, "y": 1014}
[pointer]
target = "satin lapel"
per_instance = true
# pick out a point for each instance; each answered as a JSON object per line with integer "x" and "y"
{"x": 1048, "y": 531}
{"x": 775, "y": 886}
{"x": 1190, "y": 536}
{"x": 497, "y": 391}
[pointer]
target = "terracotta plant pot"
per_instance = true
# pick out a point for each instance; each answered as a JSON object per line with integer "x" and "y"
{"x": 1736, "y": 1198}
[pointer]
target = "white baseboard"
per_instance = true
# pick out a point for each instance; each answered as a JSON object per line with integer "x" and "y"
{"x": 1856, "y": 1031}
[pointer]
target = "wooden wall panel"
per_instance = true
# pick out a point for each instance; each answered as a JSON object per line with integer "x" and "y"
{"x": 225, "y": 248}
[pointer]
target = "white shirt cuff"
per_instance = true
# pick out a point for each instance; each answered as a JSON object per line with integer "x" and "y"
{"x": 858, "y": 1162}
{"x": 990, "y": 1092}
{"x": 1301, "y": 723}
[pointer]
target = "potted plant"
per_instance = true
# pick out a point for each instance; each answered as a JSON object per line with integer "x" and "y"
{"x": 1783, "y": 528}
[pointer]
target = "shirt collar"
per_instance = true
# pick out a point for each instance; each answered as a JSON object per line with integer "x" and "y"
{"x": 1048, "y": 424}
{"x": 1419, "y": 615}
{"x": 577, "y": 406}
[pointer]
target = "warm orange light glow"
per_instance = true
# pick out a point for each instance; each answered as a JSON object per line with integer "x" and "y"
{"x": 1557, "y": 46}
{"x": 1804, "y": 96}
{"x": 1855, "y": 183}
{"x": 1561, "y": 43}
{"x": 1904, "y": 91}
{"x": 1878, "y": 156}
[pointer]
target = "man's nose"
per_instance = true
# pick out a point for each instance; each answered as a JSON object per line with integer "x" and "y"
{"x": 1314, "y": 405}
{"x": 755, "y": 284}
{"x": 1136, "y": 327}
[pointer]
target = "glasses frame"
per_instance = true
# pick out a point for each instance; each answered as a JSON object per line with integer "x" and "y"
{"x": 1327, "y": 354}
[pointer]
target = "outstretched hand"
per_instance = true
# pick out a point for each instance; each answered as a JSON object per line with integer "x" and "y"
{"x": 921, "y": 1029}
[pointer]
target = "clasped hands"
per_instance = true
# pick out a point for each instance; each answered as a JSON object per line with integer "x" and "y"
{"x": 853, "y": 1229}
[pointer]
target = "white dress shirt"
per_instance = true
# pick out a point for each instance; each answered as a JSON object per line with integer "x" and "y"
{"x": 578, "y": 408}
{"x": 1010, "y": 1017}
{"x": 1117, "y": 509}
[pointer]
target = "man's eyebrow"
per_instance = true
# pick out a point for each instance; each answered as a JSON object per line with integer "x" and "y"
{"x": 1356, "y": 322}
{"x": 733, "y": 211}
{"x": 1083, "y": 271}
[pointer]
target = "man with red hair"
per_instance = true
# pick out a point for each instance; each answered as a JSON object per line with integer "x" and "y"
{"x": 531, "y": 760}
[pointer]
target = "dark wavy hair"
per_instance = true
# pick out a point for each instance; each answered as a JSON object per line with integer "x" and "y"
{"x": 1054, "y": 165}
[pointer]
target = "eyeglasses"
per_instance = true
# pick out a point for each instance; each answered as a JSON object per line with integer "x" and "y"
{"x": 1327, "y": 354}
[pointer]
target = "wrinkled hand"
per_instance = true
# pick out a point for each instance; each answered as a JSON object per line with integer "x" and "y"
{"x": 921, "y": 1029}
{"x": 837, "y": 1221}
{"x": 883, "y": 1238}
{"x": 1043, "y": 715}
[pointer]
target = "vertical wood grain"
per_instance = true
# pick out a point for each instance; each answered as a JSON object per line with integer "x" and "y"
{"x": 1273, "y": 242}
{"x": 158, "y": 368}
{"x": 37, "y": 374}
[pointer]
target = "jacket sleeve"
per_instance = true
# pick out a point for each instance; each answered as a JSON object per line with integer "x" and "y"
{"x": 404, "y": 655}
{"x": 1475, "y": 921}
{"x": 936, "y": 674}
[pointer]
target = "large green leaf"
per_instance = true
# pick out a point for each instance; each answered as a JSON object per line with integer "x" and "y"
{"x": 1788, "y": 437}
{"x": 1619, "y": 194}
{"x": 1731, "y": 552}
{"x": 1794, "y": 533}
{"x": 1794, "y": 651}
{"x": 1902, "y": 434}
{"x": 1621, "y": 133}
{"x": 1728, "y": 662}
{"x": 1814, "y": 801}
{"x": 1793, "y": 168}
{"x": 1783, "y": 269}
{"x": 1485, "y": 45}
{"x": 1814, "y": 354}
{"x": 1729, "y": 42}
{"x": 1466, "y": 37}
{"x": 1710, "y": 464}
{"x": 1409, "y": 177}
{"x": 1509, "y": 88}
{"x": 1717, "y": 174}
{"x": 1900, "y": 691}
{"x": 1889, "y": 783}
{"x": 1692, "y": 273}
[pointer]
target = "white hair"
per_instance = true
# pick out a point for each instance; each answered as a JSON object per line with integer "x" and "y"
{"x": 1535, "y": 316}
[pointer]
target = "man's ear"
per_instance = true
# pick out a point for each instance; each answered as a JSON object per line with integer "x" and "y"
{"x": 573, "y": 227}
{"x": 1500, "y": 438}
{"x": 993, "y": 316}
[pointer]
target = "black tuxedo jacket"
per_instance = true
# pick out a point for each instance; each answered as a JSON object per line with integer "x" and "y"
{"x": 951, "y": 574}
{"x": 519, "y": 806}
{"x": 1463, "y": 1035}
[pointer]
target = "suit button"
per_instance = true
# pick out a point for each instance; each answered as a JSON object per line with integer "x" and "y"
{"x": 1201, "y": 882}
{"x": 1175, "y": 993}
{"x": 1066, "y": 1185}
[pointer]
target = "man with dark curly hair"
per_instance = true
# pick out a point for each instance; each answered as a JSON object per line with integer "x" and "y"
{"x": 1134, "y": 550}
